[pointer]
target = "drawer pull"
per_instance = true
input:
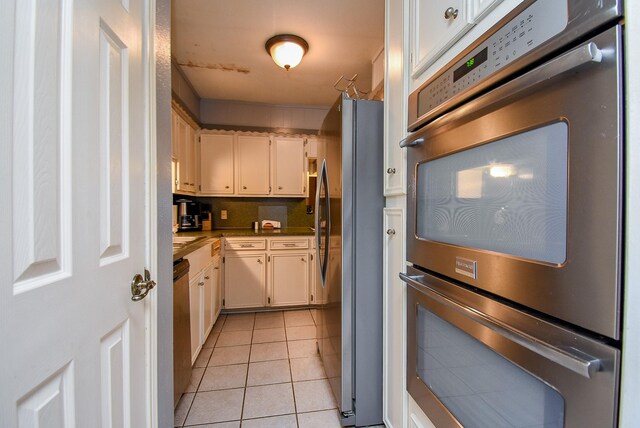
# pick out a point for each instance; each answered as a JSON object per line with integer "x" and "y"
{"x": 246, "y": 245}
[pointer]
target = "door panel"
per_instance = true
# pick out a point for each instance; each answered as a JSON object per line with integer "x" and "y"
{"x": 253, "y": 165}
{"x": 74, "y": 175}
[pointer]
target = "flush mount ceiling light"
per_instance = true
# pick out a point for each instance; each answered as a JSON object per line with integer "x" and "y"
{"x": 286, "y": 50}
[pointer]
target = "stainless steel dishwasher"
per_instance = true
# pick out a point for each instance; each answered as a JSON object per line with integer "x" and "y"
{"x": 181, "y": 329}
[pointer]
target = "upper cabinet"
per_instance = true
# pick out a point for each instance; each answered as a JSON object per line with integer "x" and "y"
{"x": 183, "y": 149}
{"x": 288, "y": 163}
{"x": 434, "y": 27}
{"x": 253, "y": 165}
{"x": 237, "y": 164}
{"x": 479, "y": 8}
{"x": 217, "y": 156}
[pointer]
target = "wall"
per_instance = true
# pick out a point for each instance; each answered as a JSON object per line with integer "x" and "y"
{"x": 238, "y": 114}
{"x": 184, "y": 91}
{"x": 162, "y": 409}
{"x": 241, "y": 212}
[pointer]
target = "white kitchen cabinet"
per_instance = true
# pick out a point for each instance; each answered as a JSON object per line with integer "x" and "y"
{"x": 244, "y": 280}
{"x": 288, "y": 162}
{"x": 217, "y": 157}
{"x": 289, "y": 279}
{"x": 207, "y": 302}
{"x": 434, "y": 27}
{"x": 479, "y": 8}
{"x": 217, "y": 287}
{"x": 183, "y": 142}
{"x": 195, "y": 313}
{"x": 312, "y": 147}
{"x": 252, "y": 166}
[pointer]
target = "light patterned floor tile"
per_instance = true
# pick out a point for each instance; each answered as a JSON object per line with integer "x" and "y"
{"x": 269, "y": 351}
{"x": 203, "y": 357}
{"x": 196, "y": 376}
{"x": 182, "y": 409}
{"x": 285, "y": 421}
{"x": 300, "y": 333}
{"x": 230, "y": 355}
{"x": 323, "y": 419}
{"x": 216, "y": 406}
{"x": 224, "y": 377}
{"x": 313, "y": 395}
{"x": 234, "y": 338}
{"x": 268, "y": 372}
{"x": 303, "y": 348}
{"x": 307, "y": 369}
{"x": 269, "y": 335}
{"x": 268, "y": 400}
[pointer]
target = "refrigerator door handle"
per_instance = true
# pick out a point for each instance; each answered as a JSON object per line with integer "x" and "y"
{"x": 323, "y": 253}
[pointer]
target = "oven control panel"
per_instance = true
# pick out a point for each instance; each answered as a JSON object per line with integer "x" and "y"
{"x": 532, "y": 27}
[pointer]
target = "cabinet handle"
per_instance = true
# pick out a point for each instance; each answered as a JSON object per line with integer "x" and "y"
{"x": 303, "y": 259}
{"x": 289, "y": 245}
{"x": 246, "y": 245}
{"x": 201, "y": 284}
{"x": 244, "y": 187}
{"x": 259, "y": 261}
{"x": 279, "y": 187}
{"x": 226, "y": 187}
{"x": 391, "y": 232}
{"x": 391, "y": 170}
{"x": 206, "y": 277}
{"x": 450, "y": 13}
{"x": 216, "y": 268}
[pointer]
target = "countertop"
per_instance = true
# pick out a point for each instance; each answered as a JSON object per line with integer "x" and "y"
{"x": 211, "y": 235}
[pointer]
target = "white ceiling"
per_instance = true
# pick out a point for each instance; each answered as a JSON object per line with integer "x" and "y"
{"x": 219, "y": 45}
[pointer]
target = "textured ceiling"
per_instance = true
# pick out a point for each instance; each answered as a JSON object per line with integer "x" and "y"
{"x": 219, "y": 45}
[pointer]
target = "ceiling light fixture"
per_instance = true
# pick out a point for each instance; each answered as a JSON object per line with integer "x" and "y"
{"x": 286, "y": 50}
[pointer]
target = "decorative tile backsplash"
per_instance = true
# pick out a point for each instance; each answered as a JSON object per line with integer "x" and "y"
{"x": 242, "y": 212}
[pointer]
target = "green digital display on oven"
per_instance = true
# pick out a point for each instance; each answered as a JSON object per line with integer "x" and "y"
{"x": 470, "y": 64}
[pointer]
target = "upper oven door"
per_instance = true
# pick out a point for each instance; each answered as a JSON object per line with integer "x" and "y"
{"x": 518, "y": 192}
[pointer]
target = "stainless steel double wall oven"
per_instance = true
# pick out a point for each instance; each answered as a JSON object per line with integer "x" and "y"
{"x": 514, "y": 219}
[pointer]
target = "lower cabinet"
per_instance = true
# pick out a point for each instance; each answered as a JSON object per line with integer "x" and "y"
{"x": 245, "y": 280}
{"x": 289, "y": 279}
{"x": 217, "y": 288}
{"x": 195, "y": 305}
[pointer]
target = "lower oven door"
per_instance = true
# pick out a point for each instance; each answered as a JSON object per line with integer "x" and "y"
{"x": 475, "y": 362}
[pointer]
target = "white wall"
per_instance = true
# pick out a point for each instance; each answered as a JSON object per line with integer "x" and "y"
{"x": 239, "y": 113}
{"x": 183, "y": 89}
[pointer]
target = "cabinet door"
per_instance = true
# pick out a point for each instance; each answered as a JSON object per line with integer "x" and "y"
{"x": 312, "y": 147}
{"x": 175, "y": 146}
{"x": 216, "y": 164}
{"x": 393, "y": 319}
{"x": 435, "y": 26}
{"x": 207, "y": 302}
{"x": 244, "y": 280}
{"x": 289, "y": 169}
{"x": 217, "y": 288}
{"x": 479, "y": 8}
{"x": 184, "y": 156}
{"x": 190, "y": 141}
{"x": 289, "y": 279}
{"x": 195, "y": 308}
{"x": 253, "y": 165}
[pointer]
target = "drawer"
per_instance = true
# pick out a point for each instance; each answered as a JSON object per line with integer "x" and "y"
{"x": 289, "y": 244}
{"x": 215, "y": 248}
{"x": 245, "y": 244}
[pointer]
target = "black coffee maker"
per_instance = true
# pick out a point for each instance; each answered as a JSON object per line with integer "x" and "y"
{"x": 189, "y": 215}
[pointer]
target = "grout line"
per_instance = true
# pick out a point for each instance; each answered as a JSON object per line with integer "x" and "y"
{"x": 246, "y": 378}
{"x": 293, "y": 391}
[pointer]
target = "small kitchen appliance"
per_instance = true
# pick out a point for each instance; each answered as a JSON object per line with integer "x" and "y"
{"x": 189, "y": 215}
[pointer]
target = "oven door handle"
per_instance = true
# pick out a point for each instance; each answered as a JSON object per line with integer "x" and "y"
{"x": 588, "y": 53}
{"x": 578, "y": 362}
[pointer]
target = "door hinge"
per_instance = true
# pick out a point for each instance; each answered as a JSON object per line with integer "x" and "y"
{"x": 269, "y": 189}
{"x": 268, "y": 299}
{"x": 312, "y": 297}
{"x": 311, "y": 256}
{"x": 222, "y": 302}
{"x": 305, "y": 141}
{"x": 222, "y": 259}
{"x": 199, "y": 186}
{"x": 268, "y": 258}
{"x": 304, "y": 189}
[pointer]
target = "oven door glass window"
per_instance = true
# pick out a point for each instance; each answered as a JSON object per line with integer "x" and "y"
{"x": 508, "y": 196}
{"x": 479, "y": 387}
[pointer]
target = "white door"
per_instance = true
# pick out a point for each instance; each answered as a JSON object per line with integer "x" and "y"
{"x": 73, "y": 178}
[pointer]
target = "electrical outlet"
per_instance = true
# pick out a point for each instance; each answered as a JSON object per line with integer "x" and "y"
{"x": 223, "y": 214}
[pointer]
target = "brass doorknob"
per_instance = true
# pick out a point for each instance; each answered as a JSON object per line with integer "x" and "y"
{"x": 140, "y": 286}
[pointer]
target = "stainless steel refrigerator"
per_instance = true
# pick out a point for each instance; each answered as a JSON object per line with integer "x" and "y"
{"x": 349, "y": 203}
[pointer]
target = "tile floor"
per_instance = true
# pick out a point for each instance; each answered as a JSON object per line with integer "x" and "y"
{"x": 259, "y": 370}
